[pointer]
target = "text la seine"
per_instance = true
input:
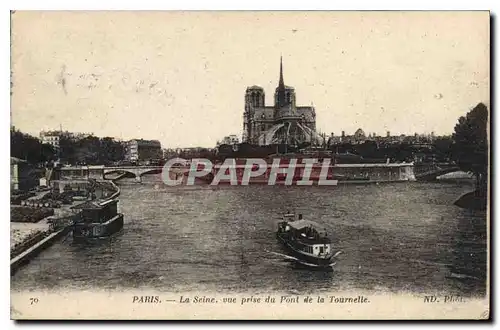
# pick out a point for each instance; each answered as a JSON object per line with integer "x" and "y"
{"x": 256, "y": 300}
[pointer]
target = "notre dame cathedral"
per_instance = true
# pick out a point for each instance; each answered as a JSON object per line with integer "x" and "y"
{"x": 284, "y": 122}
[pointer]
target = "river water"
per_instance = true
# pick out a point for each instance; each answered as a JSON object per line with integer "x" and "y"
{"x": 393, "y": 237}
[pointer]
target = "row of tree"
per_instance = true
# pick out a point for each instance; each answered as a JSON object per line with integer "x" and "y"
{"x": 91, "y": 150}
{"x": 29, "y": 148}
{"x": 88, "y": 150}
{"x": 440, "y": 150}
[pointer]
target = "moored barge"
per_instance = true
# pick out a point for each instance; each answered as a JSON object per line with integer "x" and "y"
{"x": 316, "y": 173}
{"x": 96, "y": 220}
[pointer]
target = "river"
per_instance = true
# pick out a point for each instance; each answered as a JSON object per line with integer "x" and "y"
{"x": 394, "y": 237}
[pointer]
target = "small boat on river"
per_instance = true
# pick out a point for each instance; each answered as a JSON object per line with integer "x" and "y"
{"x": 307, "y": 241}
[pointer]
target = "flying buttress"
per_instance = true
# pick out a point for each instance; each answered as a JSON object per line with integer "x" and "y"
{"x": 268, "y": 136}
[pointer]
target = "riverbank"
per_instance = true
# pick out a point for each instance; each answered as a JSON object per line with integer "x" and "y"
{"x": 24, "y": 233}
{"x": 46, "y": 240}
{"x": 34, "y": 228}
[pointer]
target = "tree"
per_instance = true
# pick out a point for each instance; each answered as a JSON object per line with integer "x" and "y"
{"x": 29, "y": 148}
{"x": 368, "y": 149}
{"x": 110, "y": 150}
{"x": 443, "y": 147}
{"x": 470, "y": 148}
{"x": 67, "y": 149}
{"x": 87, "y": 150}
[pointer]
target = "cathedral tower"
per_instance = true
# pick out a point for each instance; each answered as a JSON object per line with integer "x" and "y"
{"x": 255, "y": 97}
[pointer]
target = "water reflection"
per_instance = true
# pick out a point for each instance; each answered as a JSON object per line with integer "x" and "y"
{"x": 395, "y": 237}
{"x": 468, "y": 267}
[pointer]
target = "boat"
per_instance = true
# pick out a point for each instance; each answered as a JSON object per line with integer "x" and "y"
{"x": 307, "y": 241}
{"x": 96, "y": 220}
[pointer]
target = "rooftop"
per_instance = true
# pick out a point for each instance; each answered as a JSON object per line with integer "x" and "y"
{"x": 255, "y": 87}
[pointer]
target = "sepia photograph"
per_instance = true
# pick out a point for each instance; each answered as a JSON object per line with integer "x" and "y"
{"x": 250, "y": 165}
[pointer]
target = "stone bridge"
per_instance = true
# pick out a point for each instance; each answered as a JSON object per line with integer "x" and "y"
{"x": 423, "y": 172}
{"x": 429, "y": 172}
{"x": 137, "y": 171}
{"x": 104, "y": 172}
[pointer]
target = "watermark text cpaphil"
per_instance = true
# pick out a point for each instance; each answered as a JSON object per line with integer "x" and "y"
{"x": 306, "y": 172}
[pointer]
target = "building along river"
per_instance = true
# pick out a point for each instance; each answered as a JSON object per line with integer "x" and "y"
{"x": 394, "y": 237}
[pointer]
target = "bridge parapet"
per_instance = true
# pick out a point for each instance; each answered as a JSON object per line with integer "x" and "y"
{"x": 426, "y": 167}
{"x": 100, "y": 172}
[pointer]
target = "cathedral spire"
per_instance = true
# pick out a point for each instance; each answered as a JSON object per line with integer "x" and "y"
{"x": 281, "y": 83}
{"x": 280, "y": 96}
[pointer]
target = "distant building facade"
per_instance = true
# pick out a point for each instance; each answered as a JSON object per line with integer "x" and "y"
{"x": 230, "y": 139}
{"x": 360, "y": 137}
{"x": 283, "y": 122}
{"x": 52, "y": 137}
{"x": 140, "y": 150}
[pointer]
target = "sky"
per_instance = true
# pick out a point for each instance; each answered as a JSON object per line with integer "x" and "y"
{"x": 180, "y": 77}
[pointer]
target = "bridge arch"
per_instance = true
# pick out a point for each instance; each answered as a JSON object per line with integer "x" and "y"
{"x": 430, "y": 173}
{"x": 151, "y": 171}
{"x": 118, "y": 171}
{"x": 137, "y": 172}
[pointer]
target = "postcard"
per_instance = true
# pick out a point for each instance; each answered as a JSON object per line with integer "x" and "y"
{"x": 250, "y": 165}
